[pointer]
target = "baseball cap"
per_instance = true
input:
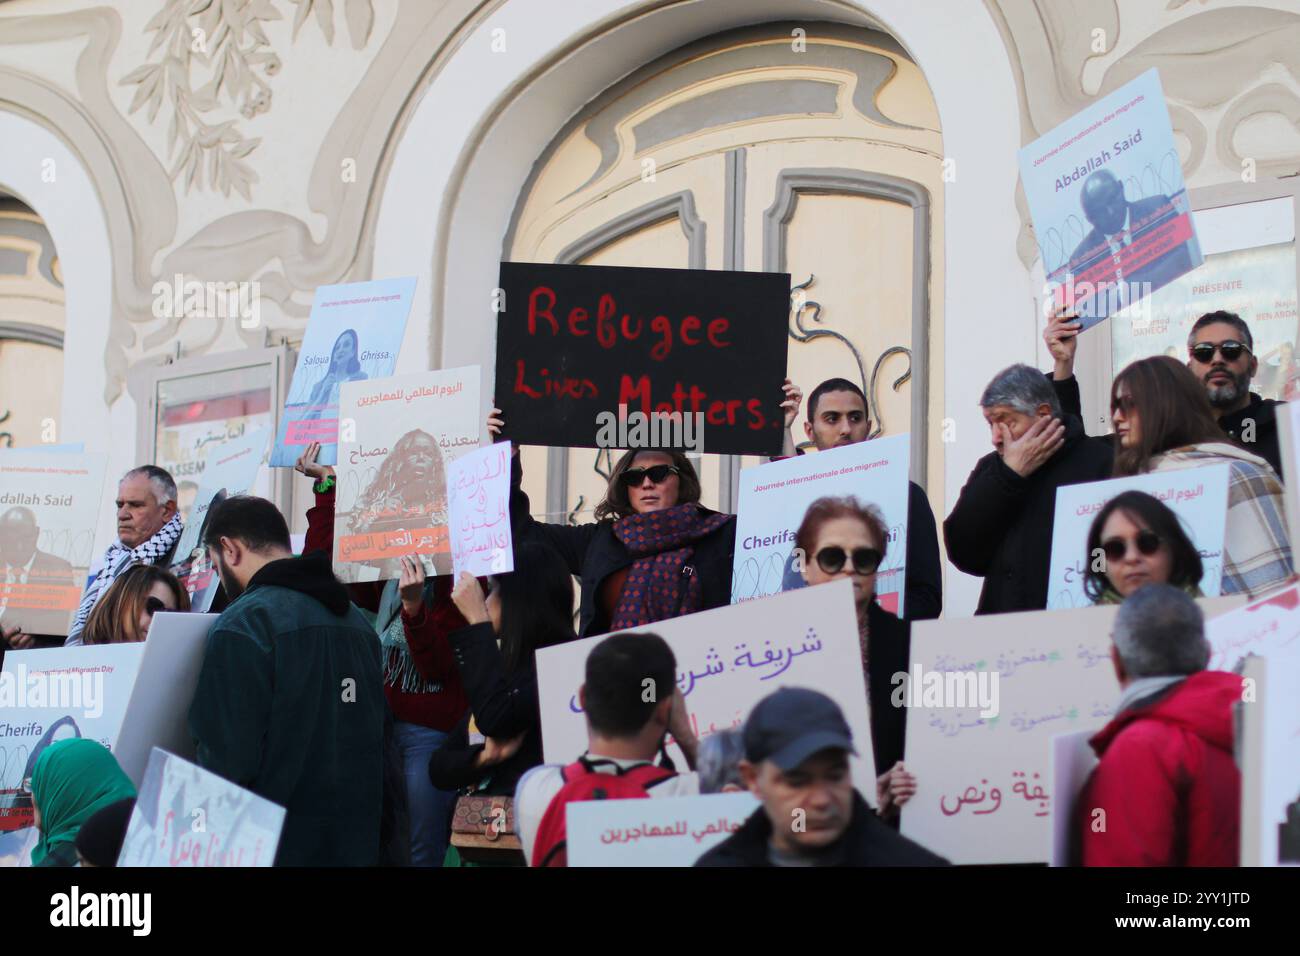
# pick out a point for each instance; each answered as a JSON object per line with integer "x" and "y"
{"x": 790, "y": 725}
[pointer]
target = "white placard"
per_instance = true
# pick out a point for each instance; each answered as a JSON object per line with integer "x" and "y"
{"x": 728, "y": 659}
{"x": 670, "y": 831}
{"x": 478, "y": 510}
{"x": 775, "y": 496}
{"x": 158, "y": 714}
{"x": 230, "y": 468}
{"x": 977, "y": 777}
{"x": 1198, "y": 496}
{"x": 396, "y": 438}
{"x": 52, "y": 694}
{"x": 186, "y": 816}
{"x": 1270, "y": 761}
{"x": 49, "y": 507}
{"x": 1072, "y": 760}
{"x": 1267, "y": 625}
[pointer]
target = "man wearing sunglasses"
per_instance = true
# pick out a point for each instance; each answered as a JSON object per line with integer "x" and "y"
{"x": 1220, "y": 352}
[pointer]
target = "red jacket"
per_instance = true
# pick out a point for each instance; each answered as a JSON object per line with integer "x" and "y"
{"x": 426, "y": 635}
{"x": 1167, "y": 781}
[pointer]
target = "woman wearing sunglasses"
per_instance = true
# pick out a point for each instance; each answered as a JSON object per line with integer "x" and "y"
{"x": 125, "y": 612}
{"x": 843, "y": 538}
{"x": 1143, "y": 543}
{"x": 653, "y": 553}
{"x": 1164, "y": 422}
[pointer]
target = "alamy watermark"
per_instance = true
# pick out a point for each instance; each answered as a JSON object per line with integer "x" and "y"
{"x": 66, "y": 689}
{"x": 641, "y": 430}
{"x": 208, "y": 300}
{"x": 966, "y": 689}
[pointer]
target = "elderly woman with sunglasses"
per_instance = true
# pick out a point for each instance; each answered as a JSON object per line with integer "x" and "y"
{"x": 1141, "y": 542}
{"x": 1164, "y": 422}
{"x": 843, "y": 538}
{"x": 653, "y": 553}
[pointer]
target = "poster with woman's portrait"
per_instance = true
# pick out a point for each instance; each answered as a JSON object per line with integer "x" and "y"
{"x": 399, "y": 436}
{"x": 353, "y": 335}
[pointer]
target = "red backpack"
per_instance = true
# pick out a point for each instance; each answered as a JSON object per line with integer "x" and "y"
{"x": 582, "y": 781}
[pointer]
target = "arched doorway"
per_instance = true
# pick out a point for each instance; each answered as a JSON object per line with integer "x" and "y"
{"x": 32, "y": 323}
{"x": 812, "y": 148}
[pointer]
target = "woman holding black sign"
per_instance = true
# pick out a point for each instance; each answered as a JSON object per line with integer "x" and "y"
{"x": 654, "y": 551}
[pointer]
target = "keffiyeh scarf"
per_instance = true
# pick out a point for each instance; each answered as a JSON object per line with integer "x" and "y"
{"x": 116, "y": 560}
{"x": 662, "y": 583}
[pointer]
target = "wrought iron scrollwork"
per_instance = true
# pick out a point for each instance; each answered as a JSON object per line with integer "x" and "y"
{"x": 6, "y": 438}
{"x": 799, "y": 303}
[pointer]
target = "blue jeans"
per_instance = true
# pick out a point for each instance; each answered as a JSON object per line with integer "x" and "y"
{"x": 430, "y": 808}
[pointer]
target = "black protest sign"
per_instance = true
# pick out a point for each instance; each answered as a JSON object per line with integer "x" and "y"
{"x": 576, "y": 342}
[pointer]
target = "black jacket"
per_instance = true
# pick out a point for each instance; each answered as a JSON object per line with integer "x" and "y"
{"x": 503, "y": 706}
{"x": 1001, "y": 527}
{"x": 1261, "y": 411}
{"x": 889, "y": 643}
{"x": 867, "y": 842}
{"x": 593, "y": 553}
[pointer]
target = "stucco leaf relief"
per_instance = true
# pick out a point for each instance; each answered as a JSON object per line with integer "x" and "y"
{"x": 209, "y": 57}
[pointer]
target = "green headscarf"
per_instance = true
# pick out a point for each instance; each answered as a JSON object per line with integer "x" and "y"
{"x": 72, "y": 780}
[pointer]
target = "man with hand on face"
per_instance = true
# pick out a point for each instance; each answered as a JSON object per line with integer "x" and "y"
{"x": 290, "y": 698}
{"x": 797, "y": 748}
{"x": 1001, "y": 527}
{"x": 148, "y": 528}
{"x": 1220, "y": 352}
{"x": 837, "y": 416}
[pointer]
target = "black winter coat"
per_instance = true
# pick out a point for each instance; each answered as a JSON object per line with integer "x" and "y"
{"x": 1001, "y": 526}
{"x": 867, "y": 842}
{"x": 592, "y": 552}
{"x": 503, "y": 706}
{"x": 889, "y": 643}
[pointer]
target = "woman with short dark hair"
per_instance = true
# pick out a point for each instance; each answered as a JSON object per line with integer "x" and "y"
{"x": 844, "y": 538}
{"x": 1163, "y": 422}
{"x": 1141, "y": 542}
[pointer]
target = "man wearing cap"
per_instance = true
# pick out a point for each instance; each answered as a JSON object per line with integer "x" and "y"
{"x": 797, "y": 747}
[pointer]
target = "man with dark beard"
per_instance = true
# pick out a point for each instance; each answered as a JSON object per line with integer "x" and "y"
{"x": 290, "y": 698}
{"x": 1220, "y": 352}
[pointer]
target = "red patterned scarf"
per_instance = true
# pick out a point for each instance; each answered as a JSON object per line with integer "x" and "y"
{"x": 662, "y": 583}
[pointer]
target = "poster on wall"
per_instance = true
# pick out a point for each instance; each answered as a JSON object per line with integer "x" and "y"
{"x": 594, "y": 356}
{"x": 49, "y": 506}
{"x": 392, "y": 473}
{"x": 1198, "y": 496}
{"x": 775, "y": 496}
{"x": 353, "y": 335}
{"x": 198, "y": 411}
{"x": 230, "y": 468}
{"x": 1110, "y": 208}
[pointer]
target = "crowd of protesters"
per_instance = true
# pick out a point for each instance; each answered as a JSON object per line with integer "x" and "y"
{"x": 371, "y": 712}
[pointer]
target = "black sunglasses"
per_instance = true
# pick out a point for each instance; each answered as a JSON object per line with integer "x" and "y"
{"x": 658, "y": 474}
{"x": 153, "y": 605}
{"x": 865, "y": 560}
{"x": 1231, "y": 350}
{"x": 1148, "y": 543}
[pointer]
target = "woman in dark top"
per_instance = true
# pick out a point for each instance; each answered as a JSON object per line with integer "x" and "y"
{"x": 842, "y": 538}
{"x": 524, "y": 611}
{"x": 653, "y": 553}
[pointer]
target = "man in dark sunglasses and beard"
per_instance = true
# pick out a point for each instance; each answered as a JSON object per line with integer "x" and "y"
{"x": 1220, "y": 352}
